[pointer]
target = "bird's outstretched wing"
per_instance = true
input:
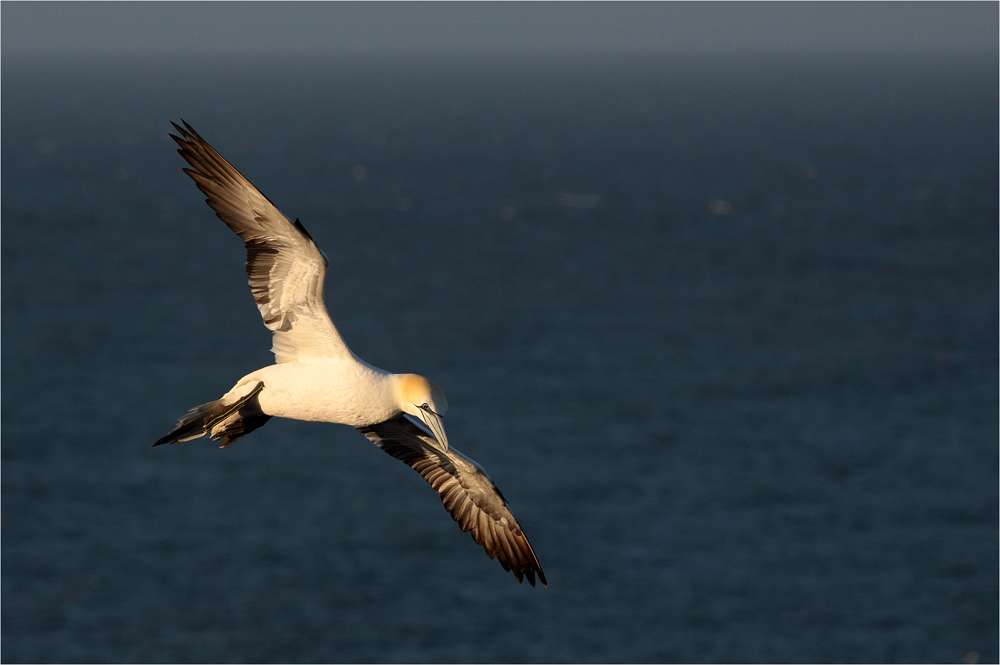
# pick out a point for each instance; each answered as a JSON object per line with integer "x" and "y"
{"x": 467, "y": 492}
{"x": 285, "y": 268}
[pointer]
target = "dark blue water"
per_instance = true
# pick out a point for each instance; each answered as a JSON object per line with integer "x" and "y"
{"x": 723, "y": 330}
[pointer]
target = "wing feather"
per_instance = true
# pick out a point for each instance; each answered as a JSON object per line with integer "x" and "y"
{"x": 285, "y": 268}
{"x": 466, "y": 491}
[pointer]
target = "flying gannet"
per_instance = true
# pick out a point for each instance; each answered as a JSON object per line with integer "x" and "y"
{"x": 317, "y": 377}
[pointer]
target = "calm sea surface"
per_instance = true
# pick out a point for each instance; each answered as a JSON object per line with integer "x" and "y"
{"x": 723, "y": 330}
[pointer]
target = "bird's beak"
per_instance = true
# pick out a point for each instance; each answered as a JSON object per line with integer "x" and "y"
{"x": 433, "y": 422}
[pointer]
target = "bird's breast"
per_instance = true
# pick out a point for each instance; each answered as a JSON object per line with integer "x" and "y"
{"x": 335, "y": 391}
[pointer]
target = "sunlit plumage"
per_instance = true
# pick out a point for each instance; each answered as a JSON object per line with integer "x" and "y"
{"x": 317, "y": 377}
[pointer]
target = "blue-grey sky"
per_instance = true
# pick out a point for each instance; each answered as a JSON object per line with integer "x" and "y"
{"x": 452, "y": 27}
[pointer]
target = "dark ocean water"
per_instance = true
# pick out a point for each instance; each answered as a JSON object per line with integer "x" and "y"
{"x": 723, "y": 330}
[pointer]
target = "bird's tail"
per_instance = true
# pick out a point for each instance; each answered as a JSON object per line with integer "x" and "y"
{"x": 228, "y": 422}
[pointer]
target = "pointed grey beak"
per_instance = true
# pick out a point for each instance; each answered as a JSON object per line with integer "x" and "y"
{"x": 433, "y": 422}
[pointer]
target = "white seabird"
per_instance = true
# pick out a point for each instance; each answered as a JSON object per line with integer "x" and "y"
{"x": 317, "y": 377}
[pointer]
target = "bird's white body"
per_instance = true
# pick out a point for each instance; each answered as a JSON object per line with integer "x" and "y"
{"x": 342, "y": 390}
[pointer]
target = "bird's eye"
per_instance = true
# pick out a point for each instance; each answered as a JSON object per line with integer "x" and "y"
{"x": 425, "y": 406}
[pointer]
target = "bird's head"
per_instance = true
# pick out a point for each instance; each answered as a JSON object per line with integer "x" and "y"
{"x": 424, "y": 399}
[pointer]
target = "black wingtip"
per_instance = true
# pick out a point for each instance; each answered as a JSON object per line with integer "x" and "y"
{"x": 541, "y": 579}
{"x": 183, "y": 140}
{"x": 531, "y": 574}
{"x": 187, "y": 133}
{"x": 180, "y": 130}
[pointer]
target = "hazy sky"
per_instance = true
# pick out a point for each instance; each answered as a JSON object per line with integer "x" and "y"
{"x": 451, "y": 27}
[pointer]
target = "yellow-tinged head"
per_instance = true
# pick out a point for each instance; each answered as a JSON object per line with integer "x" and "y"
{"x": 421, "y": 397}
